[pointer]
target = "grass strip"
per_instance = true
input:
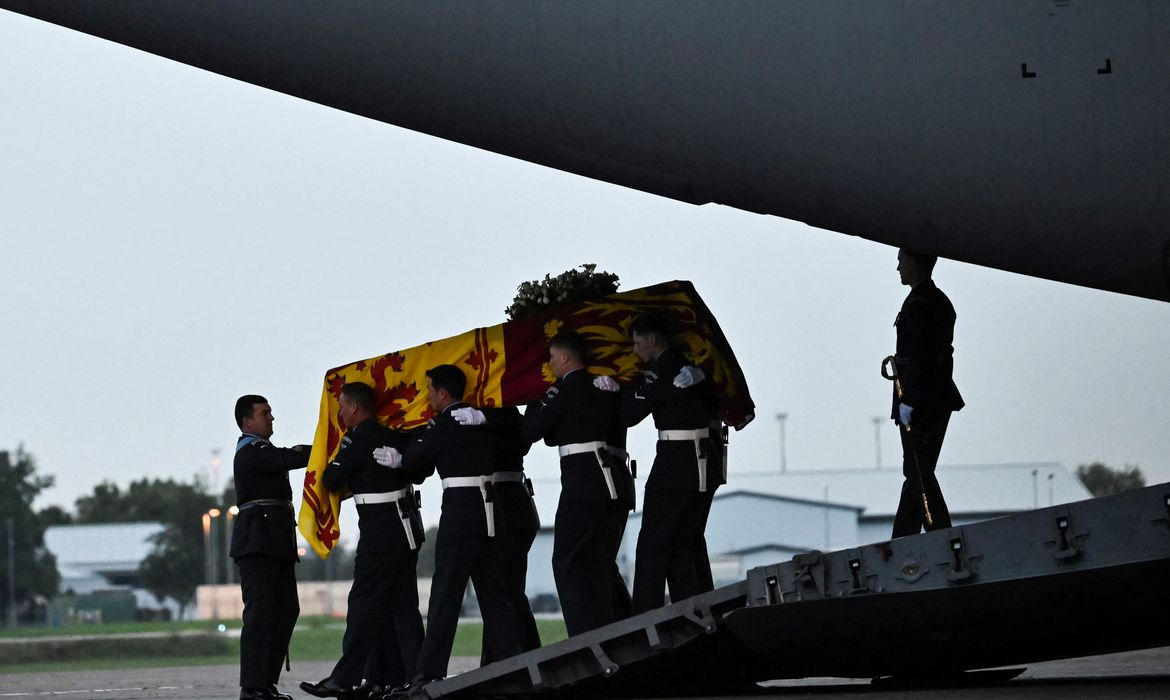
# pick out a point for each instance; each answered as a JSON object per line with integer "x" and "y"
{"x": 315, "y": 639}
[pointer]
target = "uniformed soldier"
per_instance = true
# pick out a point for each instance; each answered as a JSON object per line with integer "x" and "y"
{"x": 264, "y": 547}
{"x": 676, "y": 499}
{"x": 383, "y": 628}
{"x": 925, "y": 363}
{"x": 517, "y": 521}
{"x": 466, "y": 546}
{"x": 578, "y": 418}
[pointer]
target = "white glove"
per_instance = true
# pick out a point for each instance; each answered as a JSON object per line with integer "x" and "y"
{"x": 904, "y": 412}
{"x": 606, "y": 383}
{"x": 469, "y": 416}
{"x": 689, "y": 376}
{"x": 388, "y": 457}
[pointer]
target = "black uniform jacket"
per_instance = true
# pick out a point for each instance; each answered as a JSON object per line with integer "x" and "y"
{"x": 261, "y": 473}
{"x": 355, "y": 470}
{"x": 576, "y": 412}
{"x": 515, "y": 511}
{"x": 454, "y": 450}
{"x": 673, "y": 408}
{"x": 925, "y": 354}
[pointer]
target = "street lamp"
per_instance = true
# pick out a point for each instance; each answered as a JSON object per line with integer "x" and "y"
{"x": 207, "y": 555}
{"x": 211, "y": 558}
{"x": 781, "y": 418}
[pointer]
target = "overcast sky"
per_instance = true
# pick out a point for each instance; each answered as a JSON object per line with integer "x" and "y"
{"x": 172, "y": 239}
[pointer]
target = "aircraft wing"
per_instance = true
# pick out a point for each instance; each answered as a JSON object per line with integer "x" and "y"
{"x": 1025, "y": 136}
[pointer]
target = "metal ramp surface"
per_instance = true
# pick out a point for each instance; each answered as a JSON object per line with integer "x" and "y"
{"x": 584, "y": 662}
{"x": 1071, "y": 580}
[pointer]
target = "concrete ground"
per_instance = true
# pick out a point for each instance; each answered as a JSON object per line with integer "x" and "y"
{"x": 1140, "y": 674}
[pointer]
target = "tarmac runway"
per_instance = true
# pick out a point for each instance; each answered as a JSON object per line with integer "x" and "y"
{"x": 1139, "y": 674}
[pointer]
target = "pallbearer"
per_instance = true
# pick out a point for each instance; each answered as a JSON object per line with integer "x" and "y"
{"x": 517, "y": 521}
{"x": 578, "y": 418}
{"x": 383, "y": 628}
{"x": 678, "y": 490}
{"x": 466, "y": 546}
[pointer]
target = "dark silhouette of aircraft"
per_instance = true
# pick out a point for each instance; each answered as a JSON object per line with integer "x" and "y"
{"x": 1025, "y": 136}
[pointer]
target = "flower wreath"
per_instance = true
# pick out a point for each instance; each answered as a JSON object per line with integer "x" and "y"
{"x": 566, "y": 288}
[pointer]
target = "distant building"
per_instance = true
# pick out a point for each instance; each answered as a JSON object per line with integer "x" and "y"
{"x": 104, "y": 557}
{"x": 760, "y": 518}
{"x": 973, "y": 492}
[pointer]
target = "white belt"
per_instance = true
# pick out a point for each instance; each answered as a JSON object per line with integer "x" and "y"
{"x": 481, "y": 483}
{"x": 697, "y": 436}
{"x": 365, "y": 499}
{"x": 576, "y": 448}
{"x": 385, "y": 497}
{"x": 595, "y": 448}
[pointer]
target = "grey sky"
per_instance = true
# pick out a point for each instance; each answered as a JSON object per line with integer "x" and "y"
{"x": 172, "y": 239}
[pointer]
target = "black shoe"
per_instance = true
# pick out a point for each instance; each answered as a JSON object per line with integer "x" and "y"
{"x": 275, "y": 693}
{"x": 368, "y": 690}
{"x": 416, "y": 685}
{"x": 255, "y": 694}
{"x": 387, "y": 691}
{"x": 328, "y": 688}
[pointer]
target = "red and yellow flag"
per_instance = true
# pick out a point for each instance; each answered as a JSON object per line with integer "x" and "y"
{"x": 506, "y": 366}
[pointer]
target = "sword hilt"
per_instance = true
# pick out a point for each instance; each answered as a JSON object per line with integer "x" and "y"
{"x": 890, "y": 371}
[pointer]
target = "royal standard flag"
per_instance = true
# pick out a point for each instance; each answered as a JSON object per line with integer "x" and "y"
{"x": 506, "y": 366}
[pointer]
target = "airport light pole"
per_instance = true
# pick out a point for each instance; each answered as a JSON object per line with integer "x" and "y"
{"x": 212, "y": 514}
{"x": 781, "y": 418}
{"x": 207, "y": 554}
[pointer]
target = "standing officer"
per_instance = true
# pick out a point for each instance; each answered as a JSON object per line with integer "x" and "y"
{"x": 264, "y": 548}
{"x": 576, "y": 417}
{"x": 383, "y": 618}
{"x": 517, "y": 521}
{"x": 925, "y": 363}
{"x": 466, "y": 546}
{"x": 676, "y": 499}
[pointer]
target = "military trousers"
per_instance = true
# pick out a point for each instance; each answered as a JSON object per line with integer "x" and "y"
{"x": 586, "y": 536}
{"x": 925, "y": 441}
{"x": 458, "y": 559}
{"x": 514, "y": 547}
{"x": 383, "y": 628}
{"x": 271, "y": 608}
{"x": 672, "y": 520}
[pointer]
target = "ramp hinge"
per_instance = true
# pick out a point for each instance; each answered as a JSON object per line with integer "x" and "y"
{"x": 1066, "y": 544}
{"x": 960, "y": 564}
{"x": 608, "y": 667}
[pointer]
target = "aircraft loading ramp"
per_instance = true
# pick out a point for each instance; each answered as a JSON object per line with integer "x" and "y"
{"x": 1072, "y": 580}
